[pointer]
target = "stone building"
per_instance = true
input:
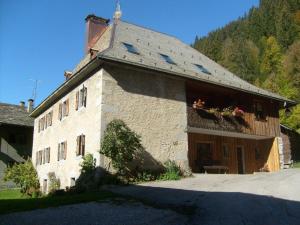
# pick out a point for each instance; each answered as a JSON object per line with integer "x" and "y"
{"x": 154, "y": 82}
{"x": 16, "y": 134}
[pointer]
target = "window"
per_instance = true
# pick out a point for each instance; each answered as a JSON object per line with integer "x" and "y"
{"x": 257, "y": 154}
{"x": 80, "y": 147}
{"x": 45, "y": 121}
{"x": 62, "y": 151}
{"x": 43, "y": 156}
{"x": 225, "y": 151}
{"x": 63, "y": 109}
{"x": 167, "y": 59}
{"x": 48, "y": 119}
{"x": 259, "y": 111}
{"x": 202, "y": 69}
{"x": 73, "y": 182}
{"x": 81, "y": 98}
{"x": 130, "y": 48}
{"x": 45, "y": 186}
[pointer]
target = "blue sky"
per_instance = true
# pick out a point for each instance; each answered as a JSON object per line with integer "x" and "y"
{"x": 40, "y": 39}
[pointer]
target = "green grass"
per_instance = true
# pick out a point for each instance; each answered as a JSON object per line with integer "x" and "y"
{"x": 14, "y": 201}
{"x": 11, "y": 194}
{"x": 296, "y": 164}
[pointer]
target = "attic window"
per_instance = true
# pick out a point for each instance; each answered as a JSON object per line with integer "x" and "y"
{"x": 167, "y": 59}
{"x": 130, "y": 48}
{"x": 202, "y": 69}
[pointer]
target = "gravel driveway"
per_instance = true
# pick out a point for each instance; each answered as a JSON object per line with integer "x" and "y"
{"x": 260, "y": 199}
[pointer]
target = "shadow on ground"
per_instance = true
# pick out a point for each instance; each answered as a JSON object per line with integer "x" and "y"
{"x": 191, "y": 207}
{"x": 228, "y": 208}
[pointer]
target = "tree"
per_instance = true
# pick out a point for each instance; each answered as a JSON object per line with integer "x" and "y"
{"x": 24, "y": 176}
{"x": 271, "y": 58}
{"x": 120, "y": 144}
{"x": 241, "y": 57}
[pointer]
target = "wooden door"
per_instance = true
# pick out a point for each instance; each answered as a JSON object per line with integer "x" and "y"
{"x": 240, "y": 159}
{"x": 204, "y": 155}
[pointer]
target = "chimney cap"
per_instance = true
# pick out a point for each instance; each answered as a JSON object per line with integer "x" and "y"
{"x": 100, "y": 19}
{"x": 30, "y": 100}
{"x": 22, "y": 104}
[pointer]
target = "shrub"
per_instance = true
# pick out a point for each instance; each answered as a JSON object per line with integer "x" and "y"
{"x": 120, "y": 144}
{"x": 145, "y": 176}
{"x": 88, "y": 164}
{"x": 24, "y": 176}
{"x": 172, "y": 171}
{"x": 54, "y": 182}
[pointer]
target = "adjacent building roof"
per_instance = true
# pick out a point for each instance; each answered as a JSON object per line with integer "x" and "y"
{"x": 135, "y": 45}
{"x": 15, "y": 115}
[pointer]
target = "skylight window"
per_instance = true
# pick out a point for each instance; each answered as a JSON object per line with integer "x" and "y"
{"x": 202, "y": 69}
{"x": 167, "y": 59}
{"x": 130, "y": 48}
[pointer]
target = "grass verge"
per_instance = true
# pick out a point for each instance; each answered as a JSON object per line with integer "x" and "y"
{"x": 296, "y": 165}
{"x": 14, "y": 201}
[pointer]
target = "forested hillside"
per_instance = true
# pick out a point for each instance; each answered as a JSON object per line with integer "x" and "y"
{"x": 263, "y": 47}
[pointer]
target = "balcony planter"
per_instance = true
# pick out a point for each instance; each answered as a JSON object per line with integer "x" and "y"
{"x": 238, "y": 112}
{"x": 227, "y": 111}
{"x": 199, "y": 104}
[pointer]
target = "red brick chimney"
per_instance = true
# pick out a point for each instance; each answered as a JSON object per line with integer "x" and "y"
{"x": 95, "y": 27}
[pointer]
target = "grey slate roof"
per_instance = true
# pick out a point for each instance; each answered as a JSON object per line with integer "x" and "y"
{"x": 151, "y": 44}
{"x": 15, "y": 115}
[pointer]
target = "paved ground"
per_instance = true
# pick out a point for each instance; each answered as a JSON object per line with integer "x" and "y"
{"x": 261, "y": 199}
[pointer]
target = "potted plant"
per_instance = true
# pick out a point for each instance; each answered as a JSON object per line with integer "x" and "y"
{"x": 214, "y": 111}
{"x": 238, "y": 112}
{"x": 227, "y": 111}
{"x": 199, "y": 104}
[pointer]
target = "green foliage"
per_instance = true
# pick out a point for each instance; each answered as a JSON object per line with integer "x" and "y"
{"x": 120, "y": 144}
{"x": 145, "y": 176}
{"x": 88, "y": 164}
{"x": 54, "y": 182}
{"x": 24, "y": 176}
{"x": 172, "y": 171}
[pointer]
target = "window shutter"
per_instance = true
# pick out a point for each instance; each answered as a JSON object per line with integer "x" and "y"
{"x": 58, "y": 152}
{"x": 82, "y": 144}
{"x": 65, "y": 150}
{"x": 50, "y": 119}
{"x": 36, "y": 159}
{"x": 59, "y": 111}
{"x": 77, "y": 99}
{"x": 77, "y": 145}
{"x": 84, "y": 96}
{"x": 67, "y": 107}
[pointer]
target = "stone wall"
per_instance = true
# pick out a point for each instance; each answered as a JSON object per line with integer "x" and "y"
{"x": 152, "y": 105}
{"x": 87, "y": 121}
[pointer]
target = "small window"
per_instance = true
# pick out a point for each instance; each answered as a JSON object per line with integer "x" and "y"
{"x": 80, "y": 147}
{"x": 130, "y": 48}
{"x": 202, "y": 69}
{"x": 73, "y": 182}
{"x": 62, "y": 151}
{"x": 259, "y": 111}
{"x": 257, "y": 154}
{"x": 63, "y": 109}
{"x": 81, "y": 96}
{"x": 225, "y": 151}
{"x": 167, "y": 59}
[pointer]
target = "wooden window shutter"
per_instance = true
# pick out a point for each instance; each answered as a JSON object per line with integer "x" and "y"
{"x": 82, "y": 144}
{"x": 65, "y": 150}
{"x": 77, "y": 145}
{"x": 67, "y": 107}
{"x": 84, "y": 96}
{"x": 36, "y": 159}
{"x": 50, "y": 118}
{"x": 77, "y": 100}
{"x": 58, "y": 152}
{"x": 59, "y": 111}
